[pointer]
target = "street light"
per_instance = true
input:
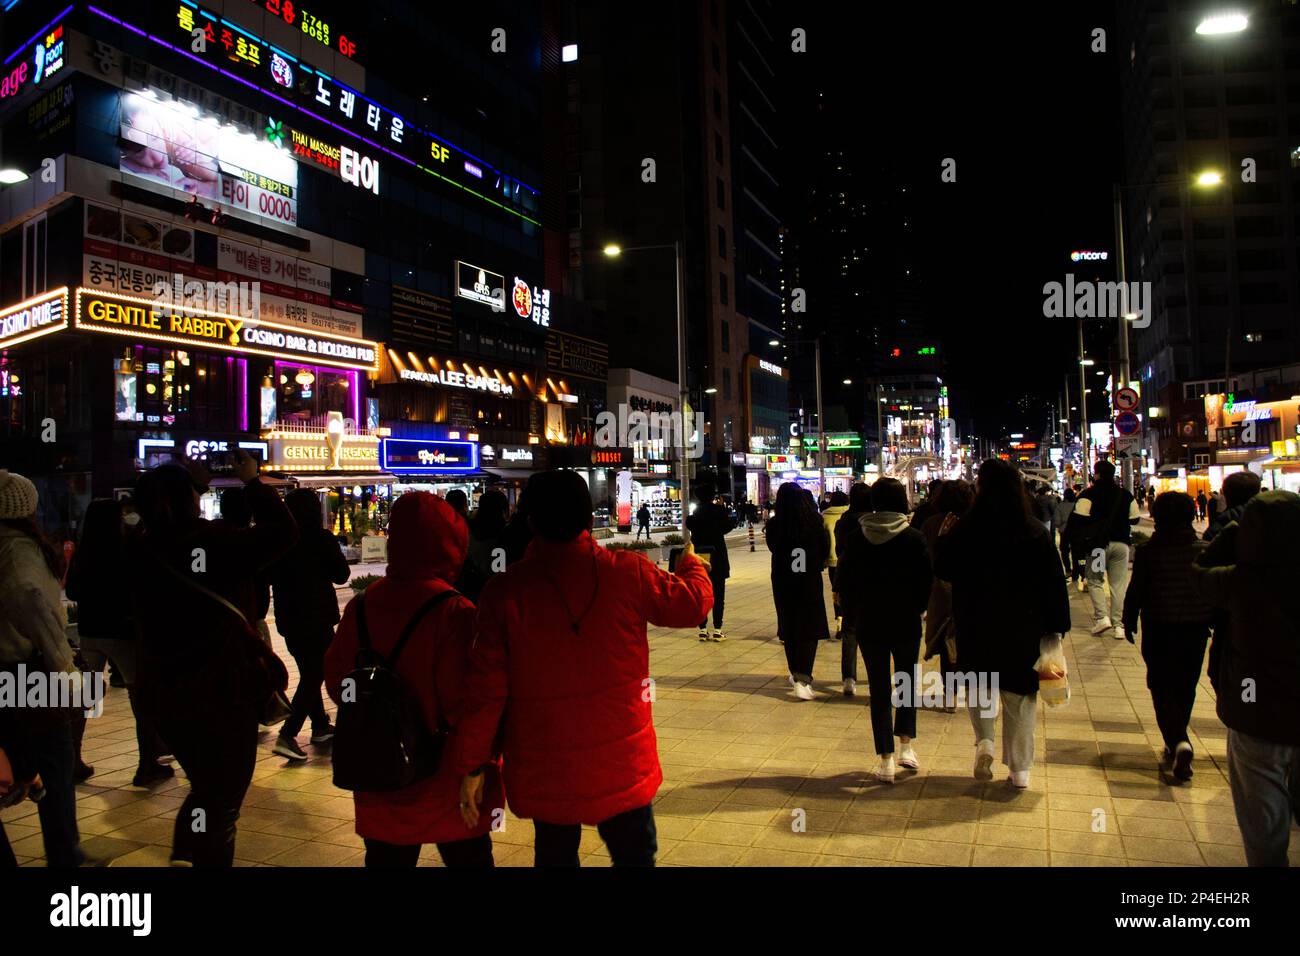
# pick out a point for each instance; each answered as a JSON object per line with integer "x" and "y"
{"x": 10, "y": 176}
{"x": 613, "y": 250}
{"x": 774, "y": 342}
{"x": 1220, "y": 23}
{"x": 710, "y": 391}
{"x": 1209, "y": 178}
{"x": 848, "y": 381}
{"x": 1087, "y": 362}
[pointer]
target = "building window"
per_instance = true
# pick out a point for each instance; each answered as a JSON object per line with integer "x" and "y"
{"x": 717, "y": 104}
{"x": 723, "y": 295}
{"x": 718, "y": 154}
{"x": 726, "y": 384}
{"x": 717, "y": 58}
{"x": 726, "y": 337}
{"x": 722, "y": 242}
{"x": 722, "y": 194}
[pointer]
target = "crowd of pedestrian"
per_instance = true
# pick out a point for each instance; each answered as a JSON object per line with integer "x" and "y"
{"x": 502, "y": 659}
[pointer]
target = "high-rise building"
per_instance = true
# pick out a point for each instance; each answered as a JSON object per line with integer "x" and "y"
{"x": 1222, "y": 259}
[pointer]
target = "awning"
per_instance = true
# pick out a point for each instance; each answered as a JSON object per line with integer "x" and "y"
{"x": 447, "y": 479}
{"x": 341, "y": 481}
{"x": 518, "y": 474}
{"x": 228, "y": 482}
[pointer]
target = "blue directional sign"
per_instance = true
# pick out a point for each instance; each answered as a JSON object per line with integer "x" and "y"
{"x": 1126, "y": 423}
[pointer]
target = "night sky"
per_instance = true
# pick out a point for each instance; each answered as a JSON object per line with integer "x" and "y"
{"x": 1032, "y": 117}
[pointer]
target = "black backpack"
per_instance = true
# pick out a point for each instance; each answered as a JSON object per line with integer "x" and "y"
{"x": 381, "y": 742}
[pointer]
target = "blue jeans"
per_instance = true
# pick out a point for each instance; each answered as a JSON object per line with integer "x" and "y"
{"x": 630, "y": 837}
{"x": 55, "y": 757}
{"x": 1265, "y": 780}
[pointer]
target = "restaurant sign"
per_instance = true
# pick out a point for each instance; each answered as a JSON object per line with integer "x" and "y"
{"x": 416, "y": 456}
{"x": 39, "y": 315}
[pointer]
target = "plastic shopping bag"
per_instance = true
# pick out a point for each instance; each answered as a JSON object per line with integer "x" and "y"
{"x": 1053, "y": 679}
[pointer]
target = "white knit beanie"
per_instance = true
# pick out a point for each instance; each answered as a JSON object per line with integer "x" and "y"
{"x": 17, "y": 496}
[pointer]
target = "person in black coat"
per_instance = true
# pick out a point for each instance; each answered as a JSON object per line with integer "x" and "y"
{"x": 1238, "y": 490}
{"x": 708, "y": 526}
{"x": 859, "y": 504}
{"x": 193, "y": 582}
{"x": 1008, "y": 594}
{"x": 1175, "y": 622}
{"x": 800, "y": 546}
{"x": 98, "y": 581}
{"x": 885, "y": 567}
{"x": 1260, "y": 672}
{"x": 306, "y": 610}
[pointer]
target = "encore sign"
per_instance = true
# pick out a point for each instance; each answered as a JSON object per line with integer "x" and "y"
{"x": 145, "y": 319}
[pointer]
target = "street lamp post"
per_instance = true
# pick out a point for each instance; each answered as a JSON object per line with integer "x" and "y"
{"x": 613, "y": 250}
{"x": 821, "y": 420}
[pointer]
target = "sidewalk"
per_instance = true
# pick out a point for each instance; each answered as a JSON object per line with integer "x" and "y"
{"x": 753, "y": 777}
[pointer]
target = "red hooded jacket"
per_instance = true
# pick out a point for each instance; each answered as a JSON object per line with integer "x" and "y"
{"x": 579, "y": 739}
{"x": 426, "y": 549}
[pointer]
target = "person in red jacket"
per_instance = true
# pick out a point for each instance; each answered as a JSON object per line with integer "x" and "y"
{"x": 427, "y": 543}
{"x": 561, "y": 669}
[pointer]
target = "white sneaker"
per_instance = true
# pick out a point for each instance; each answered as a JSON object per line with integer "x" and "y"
{"x": 1119, "y": 634}
{"x": 1083, "y": 585}
{"x": 1101, "y": 627}
{"x": 984, "y": 760}
{"x": 1020, "y": 779}
{"x": 908, "y": 759}
{"x": 885, "y": 772}
{"x": 790, "y": 678}
{"x": 850, "y": 687}
{"x": 803, "y": 691}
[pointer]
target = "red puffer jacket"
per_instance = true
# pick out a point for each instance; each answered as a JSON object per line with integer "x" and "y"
{"x": 579, "y": 740}
{"x": 426, "y": 548}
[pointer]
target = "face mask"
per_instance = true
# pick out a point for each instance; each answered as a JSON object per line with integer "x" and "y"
{"x": 131, "y": 519}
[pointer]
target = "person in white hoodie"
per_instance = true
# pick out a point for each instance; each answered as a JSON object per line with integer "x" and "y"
{"x": 884, "y": 576}
{"x": 33, "y": 635}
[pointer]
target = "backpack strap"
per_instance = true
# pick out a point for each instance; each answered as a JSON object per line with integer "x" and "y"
{"x": 407, "y": 631}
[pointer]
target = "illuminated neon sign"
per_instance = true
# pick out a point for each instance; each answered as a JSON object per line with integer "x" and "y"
{"x": 312, "y": 25}
{"x": 39, "y": 58}
{"x": 330, "y": 101}
{"x": 34, "y": 317}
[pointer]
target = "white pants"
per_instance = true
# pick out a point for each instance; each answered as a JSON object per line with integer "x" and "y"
{"x": 1019, "y": 711}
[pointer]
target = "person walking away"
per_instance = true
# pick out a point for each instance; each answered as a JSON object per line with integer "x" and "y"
{"x": 1061, "y": 521}
{"x": 835, "y": 509}
{"x": 859, "y": 504}
{"x": 33, "y": 634}
{"x": 643, "y": 521}
{"x": 1045, "y": 508}
{"x": 518, "y": 534}
{"x": 708, "y": 526}
{"x": 1212, "y": 507}
{"x": 559, "y": 674}
{"x": 1238, "y": 490}
{"x": 955, "y": 498}
{"x": 1007, "y": 595}
{"x": 459, "y": 502}
{"x": 487, "y": 549}
{"x": 235, "y": 510}
{"x": 1201, "y": 502}
{"x": 1175, "y": 622}
{"x": 306, "y": 610}
{"x": 204, "y": 672}
{"x": 885, "y": 568}
{"x": 1260, "y": 671}
{"x": 427, "y": 547}
{"x": 800, "y": 547}
{"x": 927, "y": 507}
{"x": 99, "y": 583}
{"x": 1106, "y": 514}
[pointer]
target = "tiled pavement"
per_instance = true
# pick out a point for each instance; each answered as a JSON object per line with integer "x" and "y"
{"x": 741, "y": 758}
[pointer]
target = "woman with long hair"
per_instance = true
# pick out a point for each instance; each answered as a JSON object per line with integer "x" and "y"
{"x": 800, "y": 547}
{"x": 1008, "y": 593}
{"x": 954, "y": 498}
{"x": 99, "y": 581}
{"x": 204, "y": 672}
{"x": 487, "y": 551}
{"x": 33, "y": 635}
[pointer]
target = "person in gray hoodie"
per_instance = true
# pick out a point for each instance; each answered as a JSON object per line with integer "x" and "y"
{"x": 884, "y": 576}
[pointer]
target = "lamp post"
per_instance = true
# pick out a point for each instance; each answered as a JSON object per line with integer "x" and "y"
{"x": 613, "y": 250}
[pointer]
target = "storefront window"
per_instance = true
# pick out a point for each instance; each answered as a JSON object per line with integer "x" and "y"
{"x": 177, "y": 388}
{"x": 306, "y": 393}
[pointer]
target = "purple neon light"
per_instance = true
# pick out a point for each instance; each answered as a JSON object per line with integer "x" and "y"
{"x": 242, "y": 365}
{"x": 354, "y": 382}
{"x": 38, "y": 33}
{"x": 328, "y": 122}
